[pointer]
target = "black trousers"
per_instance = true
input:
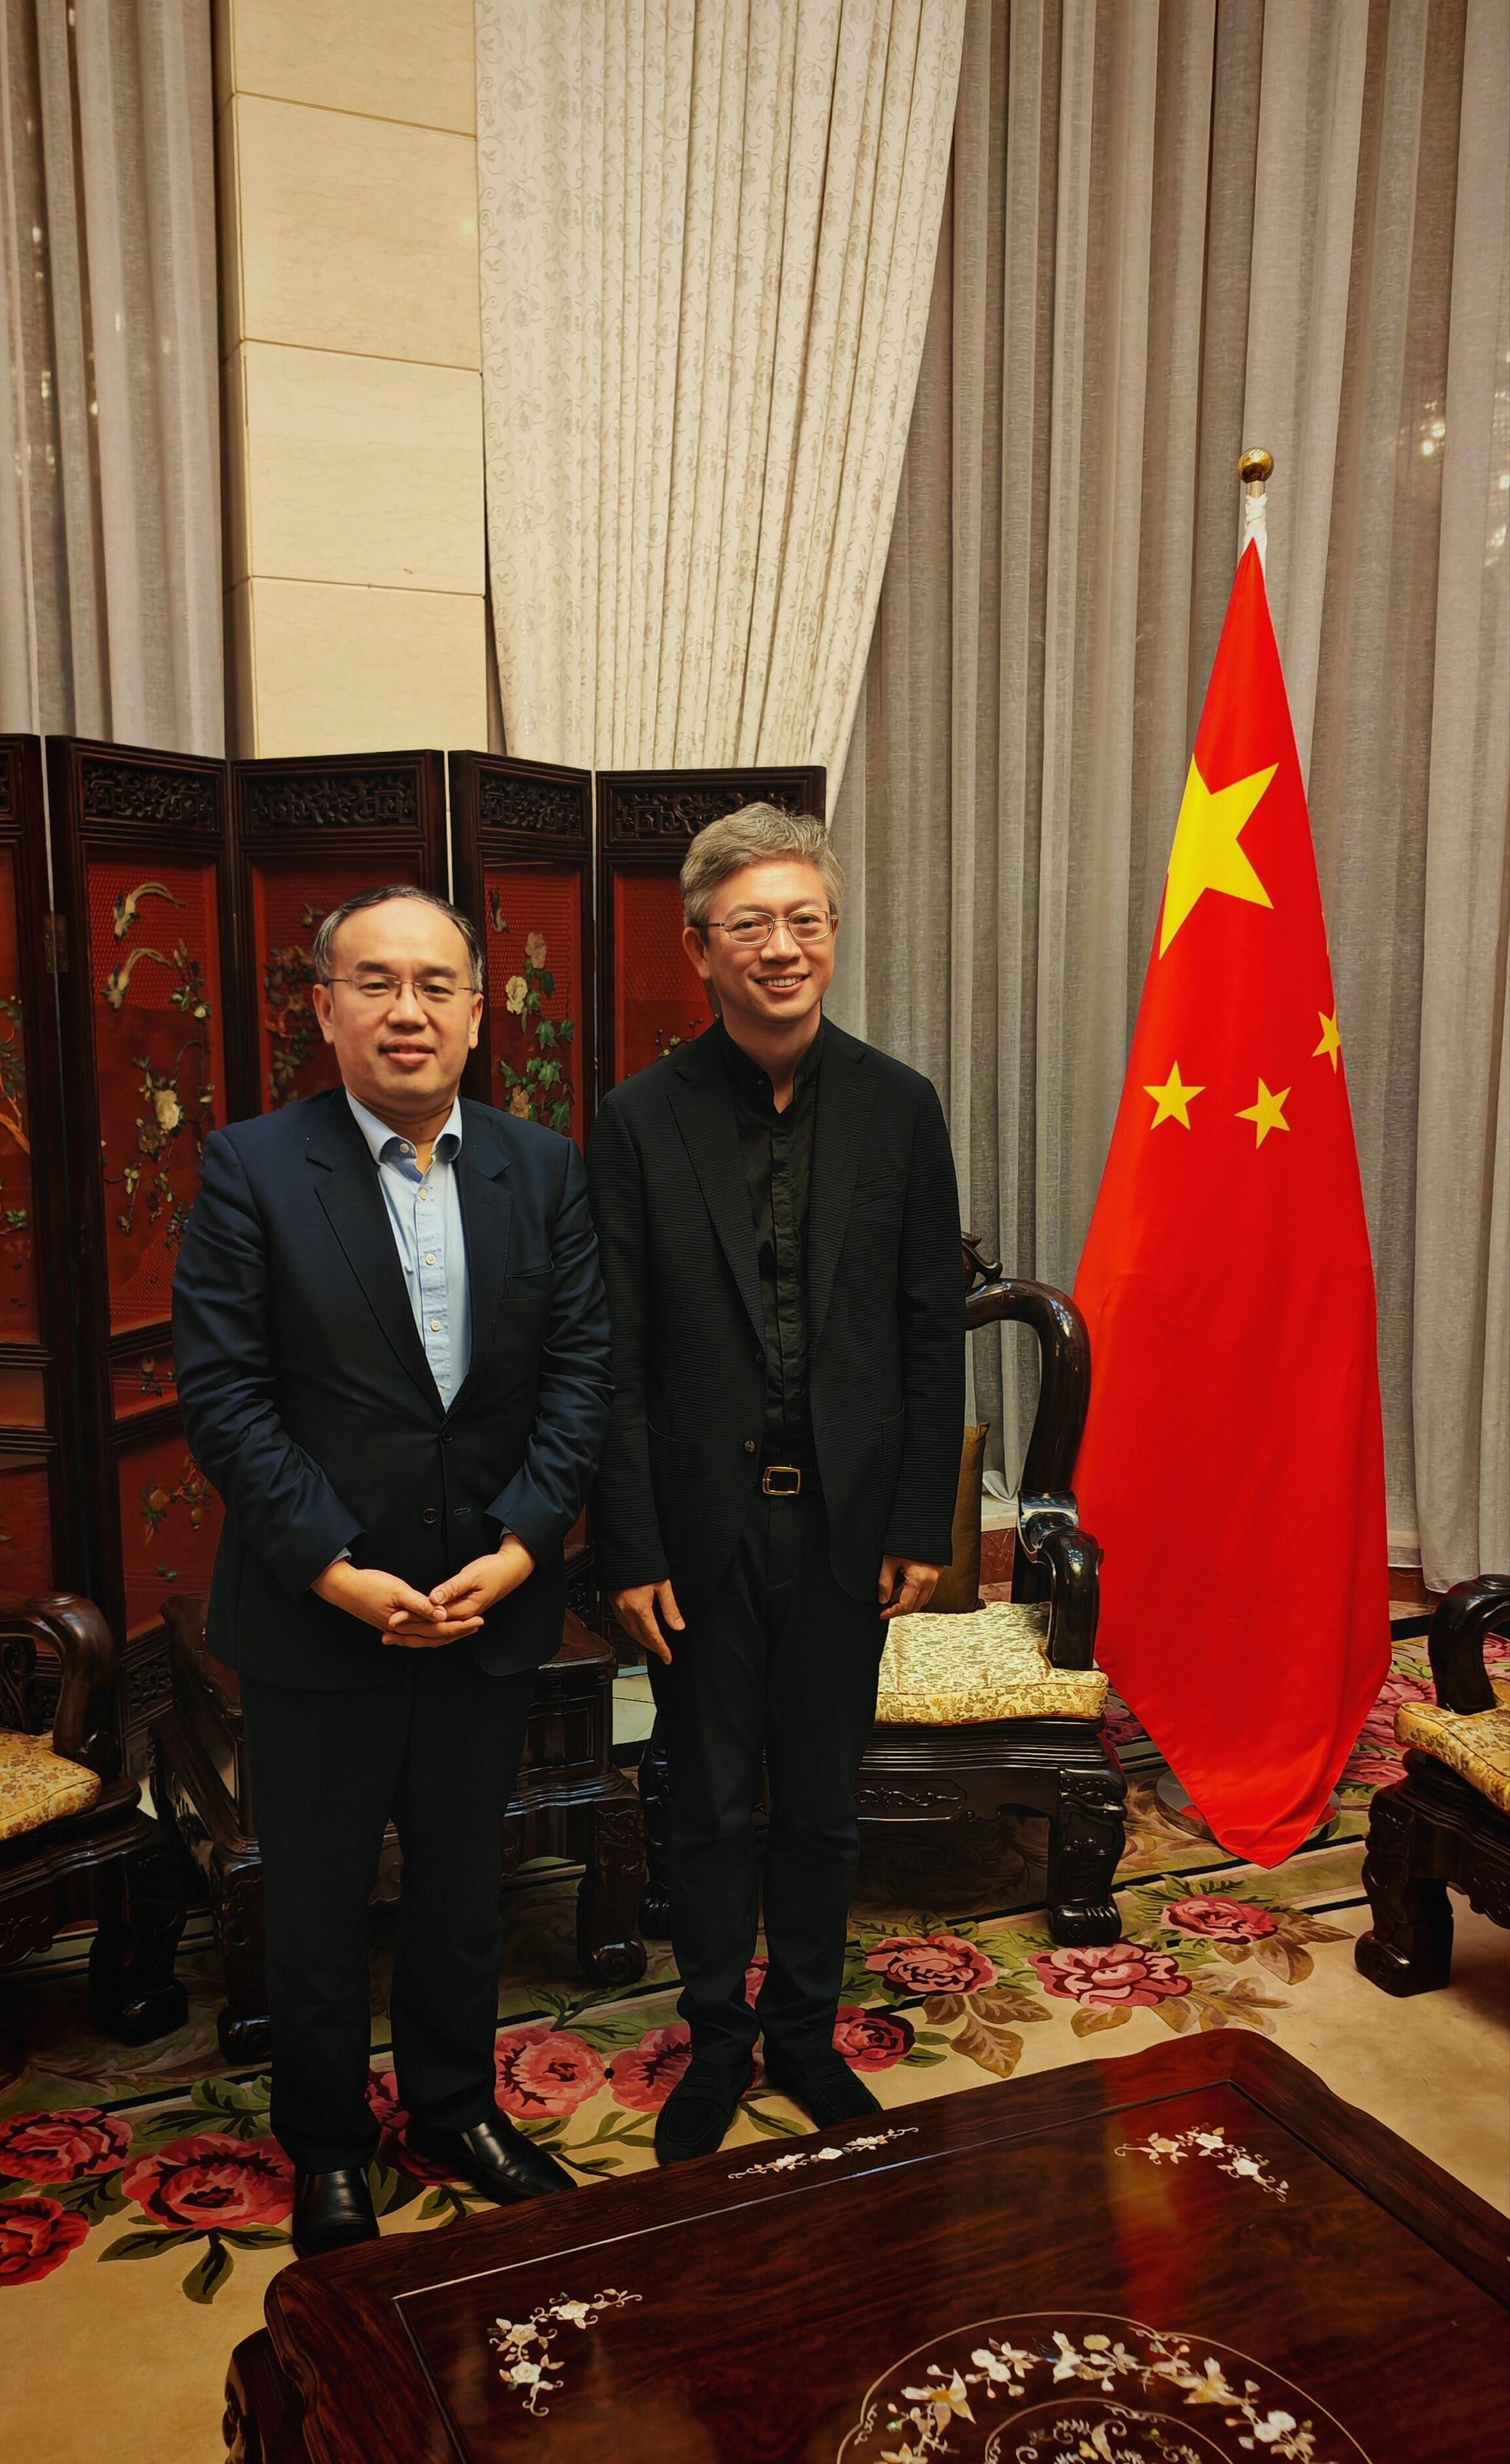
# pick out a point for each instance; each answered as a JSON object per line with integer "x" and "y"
{"x": 438, "y": 1751}
{"x": 780, "y": 1664}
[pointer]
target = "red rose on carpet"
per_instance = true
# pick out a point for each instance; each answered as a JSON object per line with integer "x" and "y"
{"x": 1376, "y": 1758}
{"x": 1219, "y": 1919}
{"x": 1115, "y": 1976}
{"x": 643, "y": 2076}
{"x": 393, "y": 2147}
{"x": 61, "y": 2146}
{"x": 754, "y": 1979}
{"x": 871, "y": 2040}
{"x": 931, "y": 1963}
{"x": 213, "y": 2180}
{"x": 36, "y": 2236}
{"x": 383, "y": 2097}
{"x": 545, "y": 2071}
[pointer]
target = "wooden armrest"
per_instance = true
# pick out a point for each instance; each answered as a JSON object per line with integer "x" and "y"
{"x": 70, "y": 1630}
{"x": 1070, "y": 1560}
{"x": 1461, "y": 1626}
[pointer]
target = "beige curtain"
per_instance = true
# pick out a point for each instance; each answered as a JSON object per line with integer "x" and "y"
{"x": 110, "y": 609}
{"x": 1175, "y": 227}
{"x": 707, "y": 236}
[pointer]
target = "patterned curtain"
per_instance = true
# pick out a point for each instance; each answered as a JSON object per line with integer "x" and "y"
{"x": 707, "y": 239}
{"x": 1172, "y": 232}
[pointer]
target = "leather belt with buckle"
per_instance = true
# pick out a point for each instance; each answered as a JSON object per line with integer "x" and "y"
{"x": 781, "y": 1480}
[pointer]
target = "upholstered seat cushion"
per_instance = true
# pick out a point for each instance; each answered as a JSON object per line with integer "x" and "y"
{"x": 1474, "y": 1744}
{"x": 990, "y": 1663}
{"x": 37, "y": 1786}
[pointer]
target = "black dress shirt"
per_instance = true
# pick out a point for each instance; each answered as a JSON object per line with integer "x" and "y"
{"x": 776, "y": 1149}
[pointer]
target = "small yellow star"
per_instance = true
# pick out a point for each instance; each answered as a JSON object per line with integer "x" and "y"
{"x": 1268, "y": 1112}
{"x": 1172, "y": 1100}
{"x": 1205, "y": 854}
{"x": 1331, "y": 1042}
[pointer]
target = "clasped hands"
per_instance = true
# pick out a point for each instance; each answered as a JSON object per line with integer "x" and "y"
{"x": 646, "y": 1610}
{"x": 418, "y": 1622}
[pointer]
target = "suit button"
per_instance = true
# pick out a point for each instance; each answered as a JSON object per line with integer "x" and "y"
{"x": 431, "y": 1514}
{"x": 749, "y": 1445}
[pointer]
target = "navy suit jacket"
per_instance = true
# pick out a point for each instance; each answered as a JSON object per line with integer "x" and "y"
{"x": 309, "y": 1402}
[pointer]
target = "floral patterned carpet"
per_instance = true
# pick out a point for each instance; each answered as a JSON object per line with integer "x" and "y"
{"x": 144, "y": 2205}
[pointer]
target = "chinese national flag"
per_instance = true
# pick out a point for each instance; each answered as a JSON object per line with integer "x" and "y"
{"x": 1232, "y": 1467}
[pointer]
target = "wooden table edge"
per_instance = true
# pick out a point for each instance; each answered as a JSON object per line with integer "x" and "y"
{"x": 353, "y": 2290}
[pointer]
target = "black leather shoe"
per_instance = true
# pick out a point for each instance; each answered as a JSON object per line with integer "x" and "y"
{"x": 825, "y": 2088}
{"x": 495, "y": 2158}
{"x": 331, "y": 2210}
{"x": 699, "y": 2109}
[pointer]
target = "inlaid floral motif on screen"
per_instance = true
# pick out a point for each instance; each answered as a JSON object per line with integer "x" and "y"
{"x": 160, "y": 1065}
{"x": 534, "y": 990}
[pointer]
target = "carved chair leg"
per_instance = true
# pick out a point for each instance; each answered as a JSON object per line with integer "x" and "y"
{"x": 1087, "y": 1834}
{"x": 236, "y": 1904}
{"x": 609, "y": 1946}
{"x": 1409, "y": 1949}
{"x": 133, "y": 1992}
{"x": 654, "y": 1908}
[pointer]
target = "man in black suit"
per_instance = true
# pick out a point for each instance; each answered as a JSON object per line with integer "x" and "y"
{"x": 779, "y": 1220}
{"x": 393, "y": 1355}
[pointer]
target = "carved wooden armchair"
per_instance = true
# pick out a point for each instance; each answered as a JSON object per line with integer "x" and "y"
{"x": 74, "y": 1845}
{"x": 1448, "y": 1820}
{"x": 1003, "y": 1710}
{"x": 572, "y": 1801}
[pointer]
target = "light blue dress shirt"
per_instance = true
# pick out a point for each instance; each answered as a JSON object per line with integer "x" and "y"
{"x": 424, "y": 1209}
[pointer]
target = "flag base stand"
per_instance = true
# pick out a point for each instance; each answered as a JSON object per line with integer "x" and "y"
{"x": 1177, "y": 1806}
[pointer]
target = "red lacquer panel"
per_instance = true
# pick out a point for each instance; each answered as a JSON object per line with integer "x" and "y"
{"x": 154, "y": 957}
{"x": 18, "y": 1310}
{"x": 658, "y": 998}
{"x": 170, "y": 1520}
{"x": 534, "y": 990}
{"x": 289, "y": 905}
{"x": 26, "y": 1525}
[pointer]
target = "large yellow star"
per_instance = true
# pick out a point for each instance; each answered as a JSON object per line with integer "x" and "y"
{"x": 1268, "y": 1112}
{"x": 1331, "y": 1042}
{"x": 1172, "y": 1100}
{"x": 1205, "y": 854}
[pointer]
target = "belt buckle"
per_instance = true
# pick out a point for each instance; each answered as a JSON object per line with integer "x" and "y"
{"x": 781, "y": 1480}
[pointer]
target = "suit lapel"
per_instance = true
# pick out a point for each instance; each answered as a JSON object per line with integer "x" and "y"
{"x": 352, "y": 1196}
{"x": 704, "y": 1106}
{"x": 845, "y": 1094}
{"x": 482, "y": 1184}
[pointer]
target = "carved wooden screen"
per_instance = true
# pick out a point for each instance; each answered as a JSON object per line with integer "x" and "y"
{"x": 140, "y": 877}
{"x": 39, "y": 1505}
{"x": 652, "y": 998}
{"x": 305, "y": 835}
{"x": 521, "y": 847}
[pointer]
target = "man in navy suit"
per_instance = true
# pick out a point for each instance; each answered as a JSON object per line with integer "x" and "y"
{"x": 392, "y": 1354}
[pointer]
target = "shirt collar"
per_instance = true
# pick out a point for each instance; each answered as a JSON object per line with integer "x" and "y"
{"x": 385, "y": 1142}
{"x": 752, "y": 1078}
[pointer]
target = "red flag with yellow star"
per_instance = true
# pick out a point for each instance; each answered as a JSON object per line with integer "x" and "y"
{"x": 1232, "y": 1467}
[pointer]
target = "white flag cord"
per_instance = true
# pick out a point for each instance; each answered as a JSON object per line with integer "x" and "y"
{"x": 1254, "y": 470}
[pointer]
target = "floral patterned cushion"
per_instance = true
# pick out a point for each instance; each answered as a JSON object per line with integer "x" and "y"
{"x": 1474, "y": 1744}
{"x": 989, "y": 1664}
{"x": 37, "y": 1786}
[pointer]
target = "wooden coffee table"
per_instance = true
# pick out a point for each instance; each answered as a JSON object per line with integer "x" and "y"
{"x": 1187, "y": 2255}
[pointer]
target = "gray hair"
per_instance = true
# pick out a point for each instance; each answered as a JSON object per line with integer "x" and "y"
{"x": 755, "y": 834}
{"x": 325, "y": 939}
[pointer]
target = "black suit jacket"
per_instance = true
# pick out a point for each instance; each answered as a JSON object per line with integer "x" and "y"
{"x": 308, "y": 1399}
{"x": 885, "y": 1320}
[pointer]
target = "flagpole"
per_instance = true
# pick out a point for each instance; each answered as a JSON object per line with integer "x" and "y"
{"x": 1256, "y": 469}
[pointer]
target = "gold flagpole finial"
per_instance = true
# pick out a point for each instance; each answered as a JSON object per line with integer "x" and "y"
{"x": 1255, "y": 468}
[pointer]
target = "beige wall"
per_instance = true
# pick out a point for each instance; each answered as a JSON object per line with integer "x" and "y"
{"x": 354, "y": 570}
